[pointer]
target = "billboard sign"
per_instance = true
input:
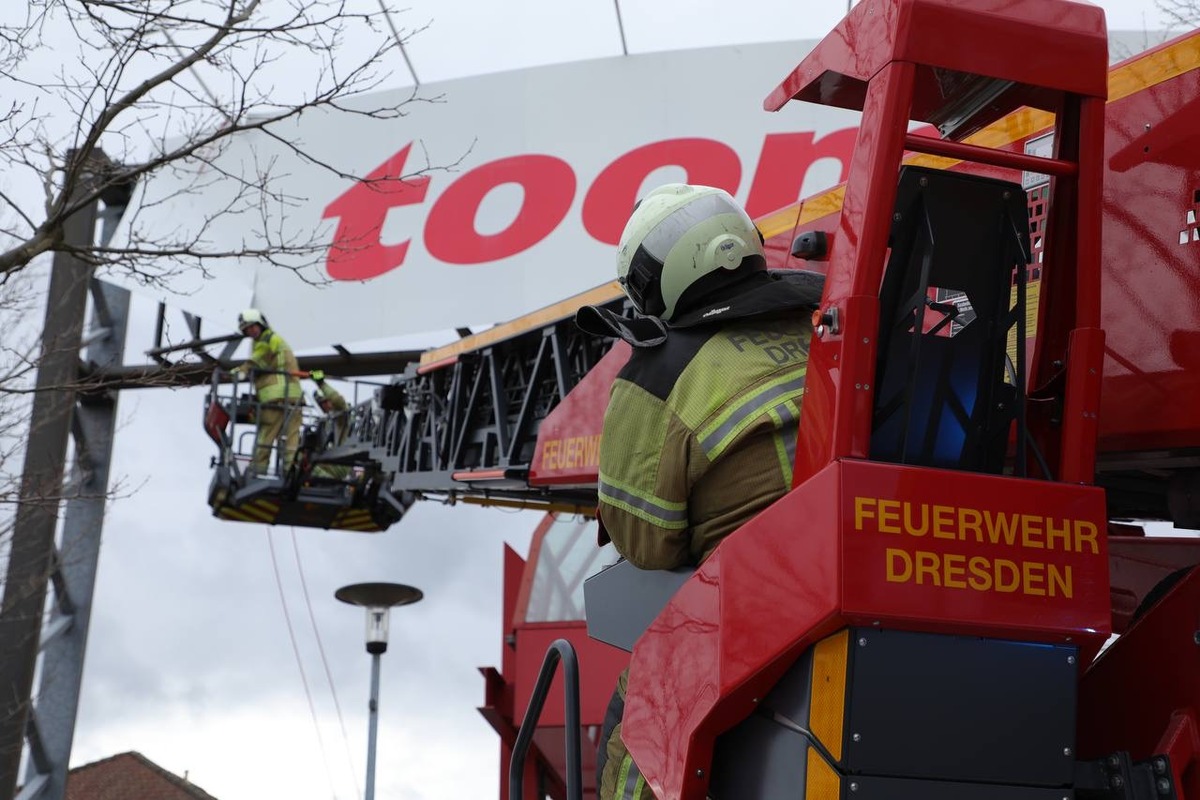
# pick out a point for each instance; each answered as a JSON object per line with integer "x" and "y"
{"x": 503, "y": 196}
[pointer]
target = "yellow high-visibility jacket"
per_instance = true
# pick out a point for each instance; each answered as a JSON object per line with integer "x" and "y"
{"x": 339, "y": 407}
{"x": 700, "y": 435}
{"x": 274, "y": 368}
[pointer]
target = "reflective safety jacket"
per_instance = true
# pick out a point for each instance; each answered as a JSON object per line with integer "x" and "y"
{"x": 274, "y": 369}
{"x": 340, "y": 420}
{"x": 337, "y": 413}
{"x": 700, "y": 435}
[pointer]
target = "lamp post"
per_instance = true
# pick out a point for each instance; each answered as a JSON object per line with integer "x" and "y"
{"x": 378, "y": 599}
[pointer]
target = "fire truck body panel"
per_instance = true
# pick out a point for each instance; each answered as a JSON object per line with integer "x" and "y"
{"x": 806, "y": 567}
{"x": 1151, "y": 202}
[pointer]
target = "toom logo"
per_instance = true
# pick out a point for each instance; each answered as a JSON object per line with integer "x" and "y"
{"x": 549, "y": 186}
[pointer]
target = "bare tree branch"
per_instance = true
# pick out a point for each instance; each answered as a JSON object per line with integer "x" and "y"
{"x": 162, "y": 89}
{"x": 1180, "y": 13}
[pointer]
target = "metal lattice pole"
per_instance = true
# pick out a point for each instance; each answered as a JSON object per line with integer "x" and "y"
{"x": 35, "y": 561}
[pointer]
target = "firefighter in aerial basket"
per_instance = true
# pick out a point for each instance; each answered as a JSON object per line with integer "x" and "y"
{"x": 700, "y": 430}
{"x": 335, "y": 408}
{"x": 273, "y": 368}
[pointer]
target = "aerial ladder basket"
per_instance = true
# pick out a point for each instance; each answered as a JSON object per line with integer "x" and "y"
{"x": 331, "y": 481}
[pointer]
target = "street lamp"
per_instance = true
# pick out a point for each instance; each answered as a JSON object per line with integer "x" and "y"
{"x": 377, "y": 599}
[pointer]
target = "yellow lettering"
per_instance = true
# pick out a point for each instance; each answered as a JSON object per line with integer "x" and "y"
{"x": 1062, "y": 534}
{"x": 979, "y": 573}
{"x": 1013, "y": 582}
{"x": 1061, "y": 582}
{"x": 943, "y": 522}
{"x": 902, "y": 558}
{"x": 864, "y": 508}
{"x": 970, "y": 520}
{"x": 927, "y": 564}
{"x": 578, "y": 451}
{"x": 550, "y": 454}
{"x": 1085, "y": 532}
{"x": 889, "y": 516}
{"x": 1034, "y": 573}
{"x": 981, "y": 576}
{"x": 1031, "y": 531}
{"x": 1001, "y": 526}
{"x": 952, "y": 572}
{"x": 908, "y": 522}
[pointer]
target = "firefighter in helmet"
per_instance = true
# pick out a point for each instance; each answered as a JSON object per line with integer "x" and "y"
{"x": 701, "y": 425}
{"x": 335, "y": 408}
{"x": 272, "y": 366}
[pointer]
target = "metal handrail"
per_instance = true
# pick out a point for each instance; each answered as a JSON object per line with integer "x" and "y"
{"x": 560, "y": 649}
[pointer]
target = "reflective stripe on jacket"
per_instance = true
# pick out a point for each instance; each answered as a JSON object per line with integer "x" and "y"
{"x": 617, "y": 776}
{"x": 275, "y": 367}
{"x": 700, "y": 436}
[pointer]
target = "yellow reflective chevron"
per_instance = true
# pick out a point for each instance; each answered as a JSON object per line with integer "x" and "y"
{"x": 355, "y": 519}
{"x": 698, "y": 437}
{"x": 259, "y": 510}
{"x": 273, "y": 511}
{"x": 786, "y": 417}
{"x": 724, "y": 429}
{"x": 630, "y": 781}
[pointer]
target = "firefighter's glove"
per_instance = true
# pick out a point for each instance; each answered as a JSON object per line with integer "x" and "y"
{"x": 317, "y": 375}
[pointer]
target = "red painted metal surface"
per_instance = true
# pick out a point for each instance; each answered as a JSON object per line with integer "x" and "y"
{"x": 568, "y": 448}
{"x": 883, "y": 57}
{"x": 1151, "y": 282}
{"x": 1077, "y": 461}
{"x": 673, "y": 715}
{"x": 990, "y": 156}
{"x": 778, "y": 248}
{"x": 1020, "y": 558}
{"x": 785, "y": 587}
{"x": 507, "y": 691}
{"x": 1181, "y": 745}
{"x": 973, "y": 37}
{"x": 903, "y": 547}
{"x": 1138, "y": 563}
{"x": 1144, "y": 691}
{"x": 523, "y": 580}
{"x": 852, "y": 281}
{"x": 1150, "y": 279}
{"x": 497, "y": 706}
{"x": 599, "y": 666}
{"x": 988, "y": 563}
{"x": 599, "y": 663}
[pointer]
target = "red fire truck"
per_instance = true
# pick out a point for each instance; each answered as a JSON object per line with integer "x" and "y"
{"x": 999, "y": 393}
{"x": 999, "y": 388}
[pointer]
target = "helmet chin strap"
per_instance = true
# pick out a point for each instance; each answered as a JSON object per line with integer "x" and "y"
{"x": 636, "y": 331}
{"x": 642, "y": 285}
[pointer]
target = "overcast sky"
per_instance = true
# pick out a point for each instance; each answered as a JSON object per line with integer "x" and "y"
{"x": 190, "y": 661}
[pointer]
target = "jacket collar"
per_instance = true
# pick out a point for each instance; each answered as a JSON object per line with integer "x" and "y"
{"x": 763, "y": 294}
